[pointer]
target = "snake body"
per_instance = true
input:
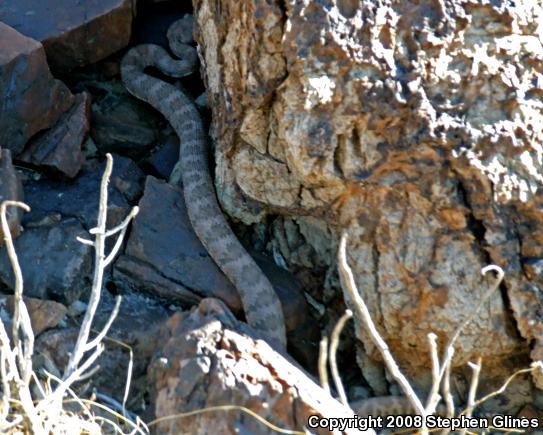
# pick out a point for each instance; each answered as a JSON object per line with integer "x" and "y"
{"x": 260, "y": 302}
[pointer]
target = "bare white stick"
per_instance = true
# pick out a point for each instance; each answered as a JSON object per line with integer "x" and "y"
{"x": 135, "y": 210}
{"x": 56, "y": 396}
{"x": 100, "y": 263}
{"x": 119, "y": 241}
{"x": 449, "y": 399}
{"x": 128, "y": 379}
{"x": 21, "y": 319}
{"x": 100, "y": 336}
{"x": 433, "y": 397}
{"x": 475, "y": 372}
{"x": 486, "y": 296}
{"x": 99, "y": 255}
{"x": 446, "y": 391}
{"x": 323, "y": 369}
{"x": 5, "y": 350}
{"x": 449, "y": 349}
{"x": 334, "y": 343}
{"x": 536, "y": 365}
{"x": 347, "y": 280}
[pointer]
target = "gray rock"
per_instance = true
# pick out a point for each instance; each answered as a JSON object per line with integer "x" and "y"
{"x": 204, "y": 361}
{"x": 137, "y": 325}
{"x": 59, "y": 148}
{"x": 32, "y": 100}
{"x": 79, "y": 197}
{"x": 127, "y": 178}
{"x": 422, "y": 161}
{"x": 54, "y": 264}
{"x": 73, "y": 33}
{"x": 122, "y": 125}
{"x": 165, "y": 257}
{"x": 163, "y": 158}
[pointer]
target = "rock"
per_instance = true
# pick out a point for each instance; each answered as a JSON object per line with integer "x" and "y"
{"x": 123, "y": 125}
{"x": 203, "y": 362}
{"x": 163, "y": 158}
{"x": 54, "y": 264}
{"x": 32, "y": 99}
{"x": 303, "y": 331}
{"x": 127, "y": 178}
{"x": 79, "y": 197}
{"x": 164, "y": 257}
{"x": 44, "y": 315}
{"x": 360, "y": 123}
{"x": 73, "y": 34}
{"x": 137, "y": 325}
{"x": 10, "y": 189}
{"x": 59, "y": 148}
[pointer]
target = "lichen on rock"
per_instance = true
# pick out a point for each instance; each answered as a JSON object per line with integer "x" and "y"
{"x": 415, "y": 126}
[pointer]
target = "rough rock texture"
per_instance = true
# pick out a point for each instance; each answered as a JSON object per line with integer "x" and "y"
{"x": 54, "y": 264}
{"x": 73, "y": 33}
{"x": 32, "y": 100}
{"x": 43, "y": 315}
{"x": 161, "y": 161}
{"x": 123, "y": 125}
{"x": 165, "y": 258}
{"x": 10, "y": 189}
{"x": 78, "y": 198}
{"x": 203, "y": 361}
{"x": 59, "y": 148}
{"x": 416, "y": 127}
{"x": 137, "y": 325}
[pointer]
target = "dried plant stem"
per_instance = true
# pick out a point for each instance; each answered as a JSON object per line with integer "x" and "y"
{"x": 99, "y": 256}
{"x": 101, "y": 261}
{"x": 19, "y": 361}
{"x": 475, "y": 372}
{"x": 347, "y": 280}
{"x": 537, "y": 365}
{"x": 433, "y": 397}
{"x": 334, "y": 343}
{"x": 323, "y": 369}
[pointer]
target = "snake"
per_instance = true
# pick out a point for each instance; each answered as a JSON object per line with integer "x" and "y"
{"x": 260, "y": 302}
{"x": 261, "y": 305}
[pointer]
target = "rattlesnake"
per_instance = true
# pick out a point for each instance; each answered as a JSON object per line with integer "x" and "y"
{"x": 260, "y": 302}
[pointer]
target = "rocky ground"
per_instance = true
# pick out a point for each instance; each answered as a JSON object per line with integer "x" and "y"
{"x": 65, "y": 110}
{"x": 64, "y": 106}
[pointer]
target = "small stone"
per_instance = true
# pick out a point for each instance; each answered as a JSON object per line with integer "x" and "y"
{"x": 59, "y": 148}
{"x": 33, "y": 99}
{"x": 43, "y": 314}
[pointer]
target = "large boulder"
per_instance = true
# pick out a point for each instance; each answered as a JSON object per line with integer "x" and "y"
{"x": 414, "y": 126}
{"x": 206, "y": 359}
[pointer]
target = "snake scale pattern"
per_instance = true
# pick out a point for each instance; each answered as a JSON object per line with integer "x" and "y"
{"x": 262, "y": 307}
{"x": 260, "y": 302}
